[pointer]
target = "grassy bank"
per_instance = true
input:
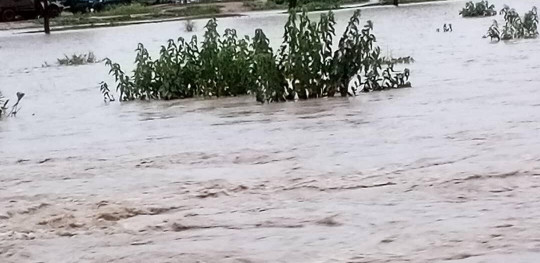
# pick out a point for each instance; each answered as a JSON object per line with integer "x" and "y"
{"x": 134, "y": 12}
{"x": 139, "y": 13}
{"x": 391, "y": 2}
{"x": 258, "y": 5}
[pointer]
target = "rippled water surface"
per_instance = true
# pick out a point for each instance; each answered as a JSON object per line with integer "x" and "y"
{"x": 446, "y": 170}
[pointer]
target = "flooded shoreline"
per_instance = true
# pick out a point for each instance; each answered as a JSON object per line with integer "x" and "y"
{"x": 445, "y": 171}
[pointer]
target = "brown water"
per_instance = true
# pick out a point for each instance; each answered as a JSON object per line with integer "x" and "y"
{"x": 446, "y": 171}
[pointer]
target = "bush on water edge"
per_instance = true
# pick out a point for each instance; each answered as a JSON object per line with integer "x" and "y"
{"x": 304, "y": 67}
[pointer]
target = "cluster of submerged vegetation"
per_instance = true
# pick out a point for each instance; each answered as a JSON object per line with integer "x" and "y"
{"x": 515, "y": 27}
{"x": 305, "y": 66}
{"x": 76, "y": 60}
{"x": 398, "y": 60}
{"x": 482, "y": 8}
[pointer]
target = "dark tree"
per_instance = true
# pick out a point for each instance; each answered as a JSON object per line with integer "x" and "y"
{"x": 292, "y": 4}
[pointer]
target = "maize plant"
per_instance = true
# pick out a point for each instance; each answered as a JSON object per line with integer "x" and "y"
{"x": 530, "y": 23}
{"x": 270, "y": 82}
{"x": 143, "y": 75}
{"x": 301, "y": 57}
{"x": 104, "y": 88}
{"x": 209, "y": 71}
{"x": 234, "y": 62}
{"x": 494, "y": 32}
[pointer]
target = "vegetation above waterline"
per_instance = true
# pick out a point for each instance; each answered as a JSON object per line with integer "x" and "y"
{"x": 305, "y": 66}
{"x": 515, "y": 27}
{"x": 479, "y": 9}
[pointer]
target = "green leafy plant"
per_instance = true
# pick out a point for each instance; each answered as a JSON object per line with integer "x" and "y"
{"x": 515, "y": 27}
{"x": 305, "y": 66}
{"x": 124, "y": 84}
{"x": 104, "y": 88}
{"x": 479, "y": 9}
{"x": 493, "y": 31}
{"x": 270, "y": 82}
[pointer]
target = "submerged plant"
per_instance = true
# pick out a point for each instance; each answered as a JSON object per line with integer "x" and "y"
{"x": 482, "y": 8}
{"x": 306, "y": 66}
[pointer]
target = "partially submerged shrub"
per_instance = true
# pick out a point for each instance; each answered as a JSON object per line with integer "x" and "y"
{"x": 482, "y": 8}
{"x": 305, "y": 67}
{"x": 77, "y": 59}
{"x": 515, "y": 27}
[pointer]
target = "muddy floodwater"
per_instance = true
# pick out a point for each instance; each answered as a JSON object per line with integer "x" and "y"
{"x": 448, "y": 170}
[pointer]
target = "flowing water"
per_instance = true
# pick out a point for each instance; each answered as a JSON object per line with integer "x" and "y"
{"x": 448, "y": 170}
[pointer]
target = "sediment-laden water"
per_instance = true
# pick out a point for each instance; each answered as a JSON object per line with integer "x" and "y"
{"x": 446, "y": 170}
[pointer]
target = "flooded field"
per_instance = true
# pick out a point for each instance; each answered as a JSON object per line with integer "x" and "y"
{"x": 446, "y": 171}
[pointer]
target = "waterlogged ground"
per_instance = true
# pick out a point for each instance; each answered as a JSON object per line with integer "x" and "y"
{"x": 446, "y": 171}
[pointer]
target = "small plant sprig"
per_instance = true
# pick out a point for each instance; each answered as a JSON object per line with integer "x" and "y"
{"x": 14, "y": 109}
{"x": 104, "y": 88}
